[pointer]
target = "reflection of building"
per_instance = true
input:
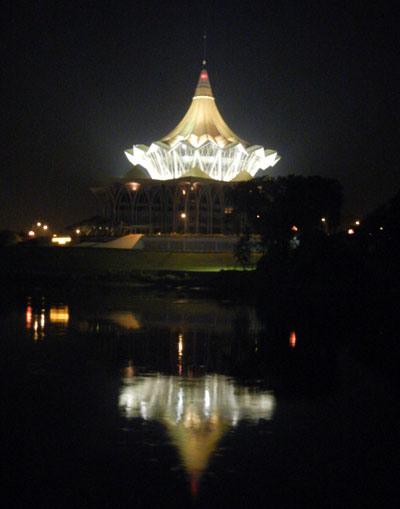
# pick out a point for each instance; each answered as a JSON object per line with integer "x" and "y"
{"x": 195, "y": 411}
{"x": 183, "y": 182}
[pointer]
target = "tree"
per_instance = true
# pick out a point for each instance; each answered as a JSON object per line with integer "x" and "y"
{"x": 278, "y": 208}
{"x": 242, "y": 251}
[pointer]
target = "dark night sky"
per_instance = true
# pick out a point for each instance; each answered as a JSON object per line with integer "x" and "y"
{"x": 85, "y": 80}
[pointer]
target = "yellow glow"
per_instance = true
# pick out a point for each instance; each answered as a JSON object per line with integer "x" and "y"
{"x": 61, "y": 241}
{"x": 183, "y": 192}
{"x": 357, "y": 223}
{"x": 323, "y": 219}
{"x": 125, "y": 319}
{"x": 183, "y": 215}
{"x": 45, "y": 227}
{"x": 31, "y": 233}
{"x": 59, "y": 314}
{"x": 350, "y": 231}
{"x": 77, "y": 231}
{"x": 42, "y": 320}
{"x": 196, "y": 412}
{"x": 39, "y": 224}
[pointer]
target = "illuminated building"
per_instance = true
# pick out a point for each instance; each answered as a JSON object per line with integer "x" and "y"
{"x": 202, "y": 145}
{"x": 182, "y": 183}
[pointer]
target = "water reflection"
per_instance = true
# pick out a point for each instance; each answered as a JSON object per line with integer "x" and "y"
{"x": 59, "y": 314}
{"x": 292, "y": 339}
{"x": 38, "y": 319}
{"x": 196, "y": 412}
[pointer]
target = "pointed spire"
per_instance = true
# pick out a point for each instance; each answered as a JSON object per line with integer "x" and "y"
{"x": 203, "y": 88}
{"x": 204, "y": 49}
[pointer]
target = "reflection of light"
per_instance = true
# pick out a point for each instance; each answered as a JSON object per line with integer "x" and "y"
{"x": 292, "y": 339}
{"x": 42, "y": 319}
{"x": 59, "y": 314}
{"x": 125, "y": 319}
{"x": 28, "y": 316}
{"x": 166, "y": 395}
{"x": 196, "y": 411}
{"x": 35, "y": 330}
{"x": 129, "y": 370}
{"x": 206, "y": 400}
{"x": 180, "y": 353}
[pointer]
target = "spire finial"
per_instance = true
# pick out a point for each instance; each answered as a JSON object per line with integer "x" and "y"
{"x": 204, "y": 48}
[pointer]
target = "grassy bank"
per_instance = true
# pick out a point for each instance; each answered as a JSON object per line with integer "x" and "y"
{"x": 111, "y": 265}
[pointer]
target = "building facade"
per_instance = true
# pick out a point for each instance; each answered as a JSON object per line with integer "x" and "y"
{"x": 183, "y": 183}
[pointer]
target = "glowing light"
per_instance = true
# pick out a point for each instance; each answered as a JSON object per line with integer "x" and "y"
{"x": 61, "y": 241}
{"x": 292, "y": 339}
{"x": 31, "y": 233}
{"x": 357, "y": 223}
{"x": 350, "y": 231}
{"x": 196, "y": 412}
{"x": 45, "y": 227}
{"x": 183, "y": 215}
{"x": 39, "y": 224}
{"x": 183, "y": 192}
{"x": 258, "y": 216}
{"x": 59, "y": 314}
{"x": 42, "y": 320}
{"x": 202, "y": 143}
{"x": 35, "y": 330}
{"x": 134, "y": 186}
{"x": 323, "y": 219}
{"x": 381, "y": 228}
{"x": 124, "y": 319}
{"x": 77, "y": 231}
{"x": 54, "y": 234}
{"x": 28, "y": 316}
{"x": 294, "y": 228}
{"x": 180, "y": 353}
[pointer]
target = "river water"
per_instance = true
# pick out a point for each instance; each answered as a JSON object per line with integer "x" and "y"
{"x": 115, "y": 399}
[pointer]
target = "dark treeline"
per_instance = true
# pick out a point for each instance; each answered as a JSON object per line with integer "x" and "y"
{"x": 347, "y": 280}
